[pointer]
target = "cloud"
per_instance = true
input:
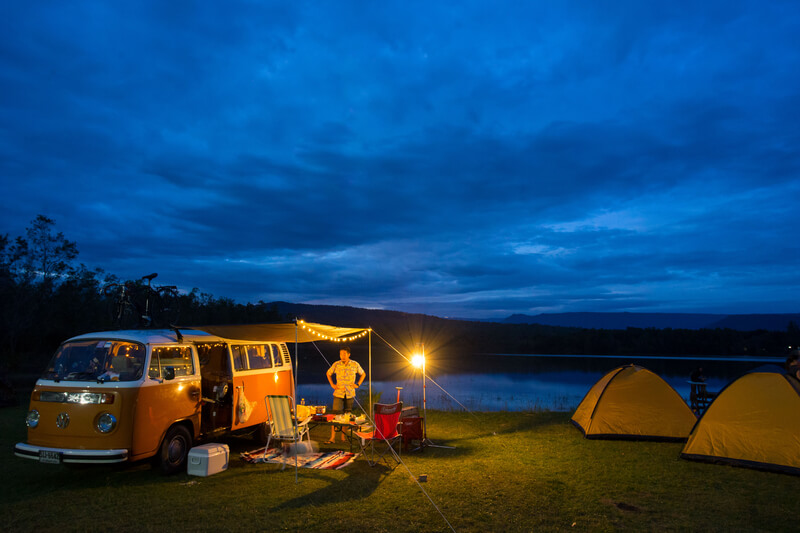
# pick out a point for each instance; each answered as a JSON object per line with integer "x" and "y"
{"x": 468, "y": 162}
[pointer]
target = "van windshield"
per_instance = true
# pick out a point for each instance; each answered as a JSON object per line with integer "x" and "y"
{"x": 97, "y": 360}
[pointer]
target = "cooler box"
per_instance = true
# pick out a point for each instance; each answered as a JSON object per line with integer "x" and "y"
{"x": 411, "y": 430}
{"x": 409, "y": 412}
{"x": 207, "y": 459}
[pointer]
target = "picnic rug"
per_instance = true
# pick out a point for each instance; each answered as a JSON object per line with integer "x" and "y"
{"x": 326, "y": 461}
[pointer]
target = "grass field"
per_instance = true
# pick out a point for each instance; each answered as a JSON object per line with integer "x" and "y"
{"x": 507, "y": 472}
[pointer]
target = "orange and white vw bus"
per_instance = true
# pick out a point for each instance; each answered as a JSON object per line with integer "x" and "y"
{"x": 119, "y": 396}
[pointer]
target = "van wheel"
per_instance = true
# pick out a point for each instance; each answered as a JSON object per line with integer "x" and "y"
{"x": 175, "y": 449}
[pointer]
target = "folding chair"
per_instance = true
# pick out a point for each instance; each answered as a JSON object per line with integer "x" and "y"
{"x": 699, "y": 397}
{"x": 385, "y": 418}
{"x": 284, "y": 427}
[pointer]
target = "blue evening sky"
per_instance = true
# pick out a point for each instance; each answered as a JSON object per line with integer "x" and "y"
{"x": 462, "y": 159}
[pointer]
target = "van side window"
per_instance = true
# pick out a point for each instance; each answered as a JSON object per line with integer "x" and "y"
{"x": 276, "y": 355}
{"x": 178, "y": 357}
{"x": 239, "y": 357}
{"x": 258, "y": 357}
{"x": 154, "y": 372}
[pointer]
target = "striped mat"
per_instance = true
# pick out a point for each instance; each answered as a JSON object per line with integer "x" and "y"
{"x": 327, "y": 461}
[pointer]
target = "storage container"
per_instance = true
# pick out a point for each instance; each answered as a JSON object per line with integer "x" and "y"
{"x": 411, "y": 430}
{"x": 207, "y": 459}
{"x": 409, "y": 412}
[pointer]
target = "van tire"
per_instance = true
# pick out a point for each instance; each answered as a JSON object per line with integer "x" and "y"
{"x": 175, "y": 449}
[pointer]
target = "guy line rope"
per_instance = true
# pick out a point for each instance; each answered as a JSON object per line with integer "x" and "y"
{"x": 394, "y": 453}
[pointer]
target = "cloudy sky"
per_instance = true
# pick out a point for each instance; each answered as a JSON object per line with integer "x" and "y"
{"x": 462, "y": 159}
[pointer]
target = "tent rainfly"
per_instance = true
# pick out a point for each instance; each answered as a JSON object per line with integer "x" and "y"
{"x": 631, "y": 402}
{"x": 753, "y": 422}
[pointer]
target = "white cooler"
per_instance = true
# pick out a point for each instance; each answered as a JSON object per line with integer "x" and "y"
{"x": 207, "y": 459}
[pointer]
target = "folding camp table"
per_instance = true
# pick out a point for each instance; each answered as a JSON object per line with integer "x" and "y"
{"x": 346, "y": 428}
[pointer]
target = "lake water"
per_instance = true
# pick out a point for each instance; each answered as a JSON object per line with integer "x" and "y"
{"x": 533, "y": 382}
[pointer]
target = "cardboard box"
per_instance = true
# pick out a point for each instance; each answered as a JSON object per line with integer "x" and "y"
{"x": 207, "y": 459}
{"x": 303, "y": 448}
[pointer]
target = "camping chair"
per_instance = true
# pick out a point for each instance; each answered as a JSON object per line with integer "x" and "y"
{"x": 699, "y": 397}
{"x": 283, "y": 426}
{"x": 385, "y": 418}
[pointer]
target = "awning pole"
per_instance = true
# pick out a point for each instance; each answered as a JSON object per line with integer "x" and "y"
{"x": 294, "y": 401}
{"x": 369, "y": 414}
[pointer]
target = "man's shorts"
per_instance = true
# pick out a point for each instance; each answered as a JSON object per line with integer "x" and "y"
{"x": 342, "y": 405}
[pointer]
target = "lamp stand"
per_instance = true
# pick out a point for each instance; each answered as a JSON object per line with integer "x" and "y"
{"x": 426, "y": 442}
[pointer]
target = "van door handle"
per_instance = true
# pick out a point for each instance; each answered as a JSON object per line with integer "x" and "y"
{"x": 194, "y": 394}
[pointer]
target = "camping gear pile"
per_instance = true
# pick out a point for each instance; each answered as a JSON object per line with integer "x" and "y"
{"x": 753, "y": 422}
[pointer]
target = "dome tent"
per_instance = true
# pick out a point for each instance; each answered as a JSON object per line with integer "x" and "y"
{"x": 635, "y": 403}
{"x": 753, "y": 422}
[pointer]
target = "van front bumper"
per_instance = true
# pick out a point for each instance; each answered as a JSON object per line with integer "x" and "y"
{"x": 66, "y": 455}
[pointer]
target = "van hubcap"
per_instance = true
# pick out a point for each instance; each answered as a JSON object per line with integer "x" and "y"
{"x": 176, "y": 449}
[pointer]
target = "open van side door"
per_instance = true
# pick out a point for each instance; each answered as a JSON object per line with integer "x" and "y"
{"x": 217, "y": 387}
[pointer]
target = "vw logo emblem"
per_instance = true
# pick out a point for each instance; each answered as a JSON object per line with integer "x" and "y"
{"x": 62, "y": 420}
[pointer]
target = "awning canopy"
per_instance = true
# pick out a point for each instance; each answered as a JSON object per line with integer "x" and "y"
{"x": 299, "y": 332}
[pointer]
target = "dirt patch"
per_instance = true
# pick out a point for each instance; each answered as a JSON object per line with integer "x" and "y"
{"x": 622, "y": 506}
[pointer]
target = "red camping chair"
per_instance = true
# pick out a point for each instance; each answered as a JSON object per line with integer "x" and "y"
{"x": 385, "y": 418}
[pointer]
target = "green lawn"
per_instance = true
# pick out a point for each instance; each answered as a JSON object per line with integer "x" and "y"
{"x": 508, "y": 472}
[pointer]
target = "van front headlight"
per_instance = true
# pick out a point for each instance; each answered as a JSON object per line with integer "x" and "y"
{"x": 32, "y": 419}
{"x": 106, "y": 423}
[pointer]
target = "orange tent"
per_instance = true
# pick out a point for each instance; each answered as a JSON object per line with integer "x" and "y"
{"x": 754, "y": 421}
{"x": 633, "y": 402}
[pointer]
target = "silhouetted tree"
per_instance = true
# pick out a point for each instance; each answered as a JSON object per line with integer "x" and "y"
{"x": 45, "y": 255}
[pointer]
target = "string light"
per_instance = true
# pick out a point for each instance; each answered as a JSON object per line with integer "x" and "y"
{"x": 334, "y": 339}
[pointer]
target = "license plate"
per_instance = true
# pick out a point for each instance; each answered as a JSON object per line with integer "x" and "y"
{"x": 46, "y": 456}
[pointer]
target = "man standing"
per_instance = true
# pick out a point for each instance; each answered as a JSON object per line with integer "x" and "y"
{"x": 698, "y": 376}
{"x": 344, "y": 390}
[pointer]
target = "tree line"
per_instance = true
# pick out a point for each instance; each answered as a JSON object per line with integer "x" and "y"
{"x": 46, "y": 296}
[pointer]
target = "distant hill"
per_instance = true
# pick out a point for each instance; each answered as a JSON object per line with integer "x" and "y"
{"x": 341, "y": 315}
{"x": 588, "y": 320}
{"x": 359, "y": 317}
{"x": 461, "y": 343}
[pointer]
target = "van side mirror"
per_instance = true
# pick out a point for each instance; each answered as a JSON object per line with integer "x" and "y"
{"x": 169, "y": 372}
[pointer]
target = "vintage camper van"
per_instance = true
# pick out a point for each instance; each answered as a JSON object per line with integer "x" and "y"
{"x": 119, "y": 396}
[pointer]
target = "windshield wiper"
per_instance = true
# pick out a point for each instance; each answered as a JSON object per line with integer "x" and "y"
{"x": 76, "y": 376}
